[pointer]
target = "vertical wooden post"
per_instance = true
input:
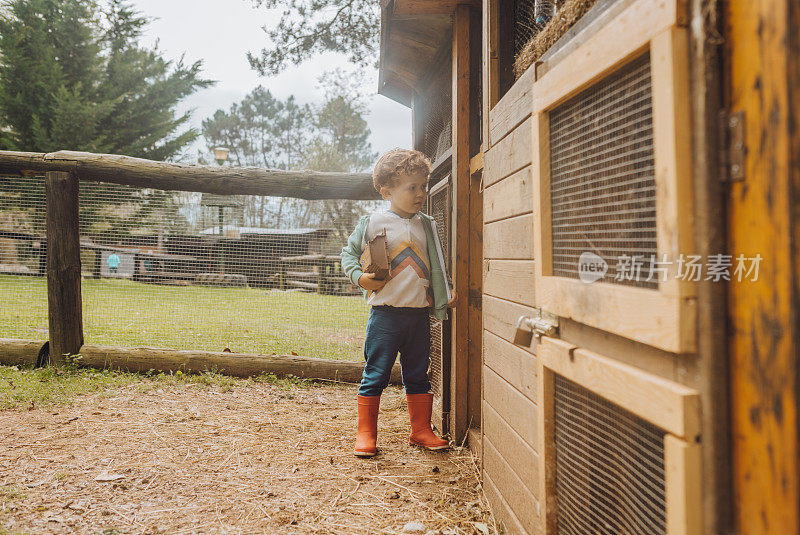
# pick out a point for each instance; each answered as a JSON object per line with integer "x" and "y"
{"x": 417, "y": 121}
{"x": 459, "y": 362}
{"x": 475, "y": 334}
{"x": 764, "y": 218}
{"x": 65, "y": 316}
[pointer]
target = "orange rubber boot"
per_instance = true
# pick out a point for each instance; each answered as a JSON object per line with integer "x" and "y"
{"x": 419, "y": 410}
{"x": 367, "y": 433}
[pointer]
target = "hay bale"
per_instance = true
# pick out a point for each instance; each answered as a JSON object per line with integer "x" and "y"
{"x": 567, "y": 15}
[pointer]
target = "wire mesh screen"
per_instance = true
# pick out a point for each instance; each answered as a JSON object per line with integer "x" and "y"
{"x": 438, "y": 131}
{"x": 602, "y": 177}
{"x": 23, "y": 255}
{"x": 439, "y": 207}
{"x": 186, "y": 270}
{"x": 539, "y": 24}
{"x": 530, "y": 17}
{"x": 609, "y": 467}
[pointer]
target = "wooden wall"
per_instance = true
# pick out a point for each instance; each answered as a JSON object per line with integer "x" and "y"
{"x": 509, "y": 422}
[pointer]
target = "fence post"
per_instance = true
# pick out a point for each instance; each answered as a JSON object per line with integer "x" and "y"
{"x": 64, "y": 308}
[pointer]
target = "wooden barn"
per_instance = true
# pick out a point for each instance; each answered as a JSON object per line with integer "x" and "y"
{"x": 618, "y": 185}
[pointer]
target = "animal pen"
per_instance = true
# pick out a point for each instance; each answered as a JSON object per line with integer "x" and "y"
{"x": 608, "y": 174}
{"x": 590, "y": 156}
{"x": 180, "y": 266}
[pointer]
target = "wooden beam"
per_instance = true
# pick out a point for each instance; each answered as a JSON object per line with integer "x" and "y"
{"x": 682, "y": 486}
{"x": 474, "y": 301}
{"x": 20, "y": 352}
{"x": 417, "y": 121}
{"x": 431, "y": 7}
{"x": 142, "y": 359}
{"x": 64, "y": 307}
{"x": 763, "y": 218}
{"x": 221, "y": 180}
{"x": 666, "y": 404}
{"x": 459, "y": 362}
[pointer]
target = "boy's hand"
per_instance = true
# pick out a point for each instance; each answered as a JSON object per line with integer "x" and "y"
{"x": 368, "y": 282}
{"x": 453, "y": 299}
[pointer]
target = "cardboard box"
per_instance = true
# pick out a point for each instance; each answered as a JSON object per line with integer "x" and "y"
{"x": 376, "y": 257}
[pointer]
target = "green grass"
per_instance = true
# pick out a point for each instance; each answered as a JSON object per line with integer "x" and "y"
{"x": 24, "y": 387}
{"x": 245, "y": 320}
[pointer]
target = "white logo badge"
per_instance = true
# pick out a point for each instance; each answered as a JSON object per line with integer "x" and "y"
{"x": 591, "y": 267}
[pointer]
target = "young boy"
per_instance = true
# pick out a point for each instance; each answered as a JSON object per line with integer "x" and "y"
{"x": 416, "y": 287}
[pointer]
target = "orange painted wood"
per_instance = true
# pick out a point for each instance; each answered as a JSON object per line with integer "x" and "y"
{"x": 762, "y": 211}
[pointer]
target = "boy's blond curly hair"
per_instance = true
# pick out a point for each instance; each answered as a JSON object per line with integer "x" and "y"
{"x": 398, "y": 162}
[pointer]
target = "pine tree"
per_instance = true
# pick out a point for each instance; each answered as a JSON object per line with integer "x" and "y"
{"x": 73, "y": 76}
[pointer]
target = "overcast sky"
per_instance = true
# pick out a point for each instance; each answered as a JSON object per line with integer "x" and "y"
{"x": 220, "y": 32}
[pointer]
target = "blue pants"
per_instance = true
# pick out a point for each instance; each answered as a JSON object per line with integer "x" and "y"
{"x": 391, "y": 330}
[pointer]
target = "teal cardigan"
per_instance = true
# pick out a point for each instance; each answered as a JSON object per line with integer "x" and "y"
{"x": 351, "y": 256}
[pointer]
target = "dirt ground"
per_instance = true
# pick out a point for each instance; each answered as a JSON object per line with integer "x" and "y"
{"x": 252, "y": 458}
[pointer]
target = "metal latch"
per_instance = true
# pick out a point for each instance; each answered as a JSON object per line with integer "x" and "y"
{"x": 541, "y": 324}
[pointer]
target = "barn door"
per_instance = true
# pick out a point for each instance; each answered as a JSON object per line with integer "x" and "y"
{"x": 763, "y": 96}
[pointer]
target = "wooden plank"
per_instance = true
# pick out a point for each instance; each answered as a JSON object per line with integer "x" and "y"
{"x": 640, "y": 314}
{"x": 510, "y": 279}
{"x": 682, "y": 486}
{"x": 509, "y": 197}
{"x": 547, "y": 449}
{"x": 500, "y": 509}
{"x": 429, "y": 7}
{"x": 476, "y": 163}
{"x": 459, "y": 363}
{"x": 523, "y": 503}
{"x": 511, "y": 362}
{"x": 540, "y": 178}
{"x": 512, "y": 109}
{"x": 520, "y": 456}
{"x": 223, "y": 180}
{"x": 488, "y": 67}
{"x": 666, "y": 404}
{"x": 417, "y": 121}
{"x": 475, "y": 323}
{"x": 511, "y": 154}
{"x": 509, "y": 238}
{"x": 64, "y": 304}
{"x": 672, "y": 152}
{"x": 762, "y": 212}
{"x": 491, "y": 17}
{"x": 516, "y": 410}
{"x": 623, "y": 37}
{"x": 500, "y": 316}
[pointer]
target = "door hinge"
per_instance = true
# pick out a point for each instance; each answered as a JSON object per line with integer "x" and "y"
{"x": 734, "y": 149}
{"x": 540, "y": 324}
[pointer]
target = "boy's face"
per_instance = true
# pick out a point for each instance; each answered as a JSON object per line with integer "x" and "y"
{"x": 407, "y": 196}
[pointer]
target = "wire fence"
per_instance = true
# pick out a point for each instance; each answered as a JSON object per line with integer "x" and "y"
{"x": 186, "y": 270}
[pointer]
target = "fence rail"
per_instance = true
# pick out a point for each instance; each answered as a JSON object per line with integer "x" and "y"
{"x": 89, "y": 202}
{"x": 222, "y": 180}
